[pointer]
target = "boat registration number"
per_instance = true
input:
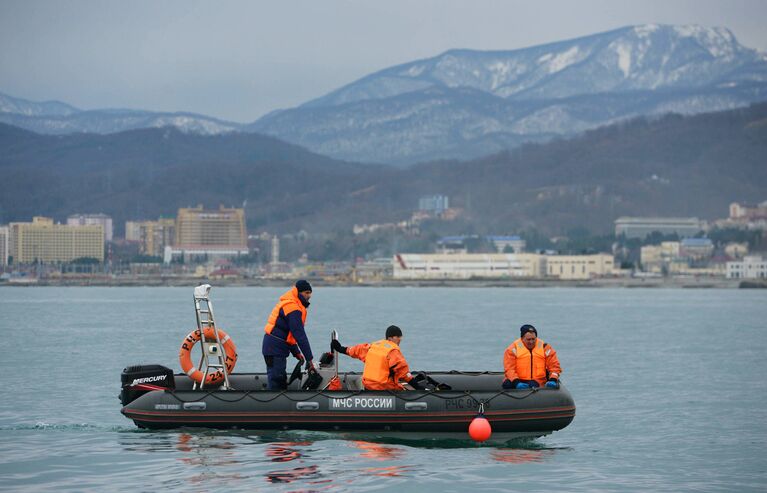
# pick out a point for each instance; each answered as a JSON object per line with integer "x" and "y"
{"x": 361, "y": 403}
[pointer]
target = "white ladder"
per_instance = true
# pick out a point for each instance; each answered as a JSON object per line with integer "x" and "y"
{"x": 213, "y": 352}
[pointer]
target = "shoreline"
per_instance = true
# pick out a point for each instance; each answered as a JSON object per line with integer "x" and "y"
{"x": 601, "y": 283}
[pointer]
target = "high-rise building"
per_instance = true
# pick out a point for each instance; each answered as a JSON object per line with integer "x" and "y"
{"x": 43, "y": 241}
{"x": 209, "y": 233}
{"x": 133, "y": 230}
{"x": 88, "y": 219}
{"x": 153, "y": 236}
{"x": 5, "y": 244}
{"x": 196, "y": 227}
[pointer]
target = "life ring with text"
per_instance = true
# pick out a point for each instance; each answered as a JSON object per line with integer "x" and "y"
{"x": 185, "y": 356}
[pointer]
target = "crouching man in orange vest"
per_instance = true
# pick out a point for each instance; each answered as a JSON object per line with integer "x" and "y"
{"x": 384, "y": 364}
{"x": 529, "y": 362}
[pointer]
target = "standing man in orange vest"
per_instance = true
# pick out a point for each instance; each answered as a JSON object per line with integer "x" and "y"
{"x": 384, "y": 364}
{"x": 529, "y": 362}
{"x": 285, "y": 335}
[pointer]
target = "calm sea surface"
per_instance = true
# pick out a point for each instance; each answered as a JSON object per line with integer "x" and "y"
{"x": 669, "y": 384}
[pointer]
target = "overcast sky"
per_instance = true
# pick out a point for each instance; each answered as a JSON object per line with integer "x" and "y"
{"x": 238, "y": 60}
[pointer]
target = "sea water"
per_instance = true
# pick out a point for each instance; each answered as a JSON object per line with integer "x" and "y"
{"x": 669, "y": 387}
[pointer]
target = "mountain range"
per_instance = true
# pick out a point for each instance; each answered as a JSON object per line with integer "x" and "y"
{"x": 57, "y": 118}
{"x": 464, "y": 104}
{"x": 668, "y": 166}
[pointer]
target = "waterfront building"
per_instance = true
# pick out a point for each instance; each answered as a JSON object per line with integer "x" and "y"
{"x": 467, "y": 265}
{"x": 204, "y": 233}
{"x": 579, "y": 267}
{"x": 683, "y": 268}
{"x": 751, "y": 267}
{"x": 5, "y": 244}
{"x": 640, "y": 227}
{"x": 46, "y": 242}
{"x": 89, "y": 219}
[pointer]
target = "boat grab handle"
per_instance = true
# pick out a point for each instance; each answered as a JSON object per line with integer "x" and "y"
{"x": 307, "y": 406}
{"x": 416, "y": 406}
{"x": 194, "y": 406}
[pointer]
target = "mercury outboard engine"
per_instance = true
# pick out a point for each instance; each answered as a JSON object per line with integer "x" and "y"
{"x": 140, "y": 379}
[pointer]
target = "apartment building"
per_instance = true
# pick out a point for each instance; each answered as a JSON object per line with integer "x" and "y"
{"x": 43, "y": 241}
{"x": 209, "y": 233}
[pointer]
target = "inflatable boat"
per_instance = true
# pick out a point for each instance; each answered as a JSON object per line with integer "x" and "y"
{"x": 153, "y": 397}
{"x": 211, "y": 395}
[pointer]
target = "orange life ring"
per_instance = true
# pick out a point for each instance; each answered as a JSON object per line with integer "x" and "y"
{"x": 185, "y": 356}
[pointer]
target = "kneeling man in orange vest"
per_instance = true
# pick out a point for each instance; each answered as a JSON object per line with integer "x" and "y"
{"x": 384, "y": 364}
{"x": 529, "y": 362}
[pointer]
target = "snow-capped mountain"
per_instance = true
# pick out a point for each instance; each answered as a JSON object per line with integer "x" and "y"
{"x": 9, "y": 104}
{"x": 59, "y": 118}
{"x": 466, "y": 103}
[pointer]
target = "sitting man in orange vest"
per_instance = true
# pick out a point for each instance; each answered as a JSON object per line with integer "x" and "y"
{"x": 529, "y": 362}
{"x": 384, "y": 364}
{"x": 285, "y": 335}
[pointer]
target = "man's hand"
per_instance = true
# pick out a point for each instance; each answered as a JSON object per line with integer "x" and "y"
{"x": 310, "y": 366}
{"x": 336, "y": 346}
{"x": 299, "y": 357}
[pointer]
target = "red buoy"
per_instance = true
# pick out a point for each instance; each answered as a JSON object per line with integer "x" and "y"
{"x": 480, "y": 429}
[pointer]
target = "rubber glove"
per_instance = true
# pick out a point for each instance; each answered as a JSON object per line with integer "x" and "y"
{"x": 336, "y": 346}
{"x": 522, "y": 385}
{"x": 552, "y": 384}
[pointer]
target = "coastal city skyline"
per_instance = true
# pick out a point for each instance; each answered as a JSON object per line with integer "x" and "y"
{"x": 215, "y": 244}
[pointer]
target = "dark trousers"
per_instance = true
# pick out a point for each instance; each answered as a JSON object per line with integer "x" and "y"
{"x": 276, "y": 375}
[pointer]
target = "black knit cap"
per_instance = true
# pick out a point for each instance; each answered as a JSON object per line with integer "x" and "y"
{"x": 303, "y": 285}
{"x": 393, "y": 331}
{"x": 527, "y": 328}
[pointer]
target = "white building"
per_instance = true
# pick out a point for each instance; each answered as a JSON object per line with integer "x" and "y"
{"x": 751, "y": 267}
{"x": 91, "y": 219}
{"x": 467, "y": 265}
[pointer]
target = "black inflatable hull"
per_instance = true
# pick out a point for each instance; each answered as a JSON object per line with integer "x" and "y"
{"x": 512, "y": 413}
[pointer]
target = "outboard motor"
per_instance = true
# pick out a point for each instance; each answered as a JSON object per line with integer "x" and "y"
{"x": 140, "y": 379}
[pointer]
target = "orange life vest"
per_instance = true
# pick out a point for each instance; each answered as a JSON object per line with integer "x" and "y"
{"x": 531, "y": 365}
{"x": 288, "y": 303}
{"x": 376, "y": 362}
